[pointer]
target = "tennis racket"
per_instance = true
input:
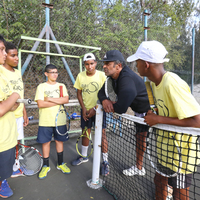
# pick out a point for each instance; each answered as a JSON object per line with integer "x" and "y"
{"x": 25, "y": 101}
{"x": 30, "y": 159}
{"x": 154, "y": 150}
{"x": 109, "y": 90}
{"x": 62, "y": 116}
{"x": 85, "y": 134}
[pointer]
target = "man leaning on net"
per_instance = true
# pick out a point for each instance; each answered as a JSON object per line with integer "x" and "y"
{"x": 131, "y": 92}
{"x": 176, "y": 106}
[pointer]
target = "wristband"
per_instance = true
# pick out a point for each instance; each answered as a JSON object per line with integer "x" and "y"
{"x": 94, "y": 108}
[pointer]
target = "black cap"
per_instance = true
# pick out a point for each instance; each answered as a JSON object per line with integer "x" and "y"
{"x": 113, "y": 55}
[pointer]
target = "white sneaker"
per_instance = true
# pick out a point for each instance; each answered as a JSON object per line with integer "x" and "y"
{"x": 134, "y": 171}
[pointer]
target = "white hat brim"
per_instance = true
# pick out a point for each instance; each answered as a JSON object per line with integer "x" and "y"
{"x": 132, "y": 58}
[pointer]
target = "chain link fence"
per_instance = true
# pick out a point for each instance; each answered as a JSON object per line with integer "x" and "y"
{"x": 106, "y": 24}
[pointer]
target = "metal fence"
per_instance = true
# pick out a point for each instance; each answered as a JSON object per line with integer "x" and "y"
{"x": 91, "y": 23}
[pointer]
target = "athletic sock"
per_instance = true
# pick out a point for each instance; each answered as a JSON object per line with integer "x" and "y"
{"x": 84, "y": 150}
{"x": 60, "y": 158}
{"x": 46, "y": 161}
{"x": 105, "y": 157}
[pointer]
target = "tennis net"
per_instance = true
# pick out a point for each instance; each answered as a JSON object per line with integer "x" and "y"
{"x": 170, "y": 150}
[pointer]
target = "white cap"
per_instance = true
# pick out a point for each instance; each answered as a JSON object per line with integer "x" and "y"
{"x": 89, "y": 56}
{"x": 150, "y": 51}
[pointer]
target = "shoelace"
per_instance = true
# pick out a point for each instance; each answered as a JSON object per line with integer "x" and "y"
{"x": 43, "y": 169}
{"x": 64, "y": 165}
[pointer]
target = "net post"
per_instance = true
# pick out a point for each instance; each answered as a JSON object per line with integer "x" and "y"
{"x": 96, "y": 182}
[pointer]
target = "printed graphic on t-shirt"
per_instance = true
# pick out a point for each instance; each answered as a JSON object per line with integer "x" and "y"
{"x": 6, "y": 90}
{"x": 52, "y": 93}
{"x": 90, "y": 88}
{"x": 17, "y": 84}
{"x": 160, "y": 104}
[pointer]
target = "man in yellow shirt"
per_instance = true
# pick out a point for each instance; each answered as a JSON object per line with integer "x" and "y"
{"x": 8, "y": 134}
{"x": 49, "y": 100}
{"x": 176, "y": 106}
{"x": 15, "y": 78}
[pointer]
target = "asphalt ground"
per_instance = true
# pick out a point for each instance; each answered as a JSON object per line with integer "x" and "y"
{"x": 59, "y": 186}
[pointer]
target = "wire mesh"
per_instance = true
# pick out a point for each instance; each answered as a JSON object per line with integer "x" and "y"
{"x": 123, "y": 153}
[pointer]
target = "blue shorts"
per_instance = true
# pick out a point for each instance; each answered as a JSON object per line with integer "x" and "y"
{"x": 91, "y": 122}
{"x": 7, "y": 159}
{"x": 45, "y": 134}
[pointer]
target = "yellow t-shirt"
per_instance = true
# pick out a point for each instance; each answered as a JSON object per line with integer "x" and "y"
{"x": 90, "y": 86}
{"x": 47, "y": 116}
{"x": 8, "y": 133}
{"x": 15, "y": 79}
{"x": 174, "y": 99}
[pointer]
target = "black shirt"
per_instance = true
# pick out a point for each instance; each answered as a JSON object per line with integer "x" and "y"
{"x": 131, "y": 92}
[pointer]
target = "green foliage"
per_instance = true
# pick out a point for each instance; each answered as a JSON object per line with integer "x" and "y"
{"x": 116, "y": 24}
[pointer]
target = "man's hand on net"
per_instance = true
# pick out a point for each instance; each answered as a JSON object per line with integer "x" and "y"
{"x": 107, "y": 106}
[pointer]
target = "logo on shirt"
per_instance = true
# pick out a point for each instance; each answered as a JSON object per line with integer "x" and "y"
{"x": 6, "y": 90}
{"x": 90, "y": 88}
{"x": 53, "y": 93}
{"x": 162, "y": 107}
{"x": 17, "y": 84}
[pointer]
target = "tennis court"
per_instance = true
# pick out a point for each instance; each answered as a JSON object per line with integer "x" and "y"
{"x": 58, "y": 186}
{"x": 121, "y": 155}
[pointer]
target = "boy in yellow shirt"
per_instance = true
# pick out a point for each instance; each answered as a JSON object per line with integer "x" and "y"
{"x": 48, "y": 100}
{"x": 8, "y": 134}
{"x": 88, "y": 84}
{"x": 15, "y": 78}
{"x": 176, "y": 106}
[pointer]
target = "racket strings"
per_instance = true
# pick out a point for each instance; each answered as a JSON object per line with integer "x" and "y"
{"x": 109, "y": 90}
{"x": 79, "y": 144}
{"x": 30, "y": 160}
{"x": 62, "y": 118}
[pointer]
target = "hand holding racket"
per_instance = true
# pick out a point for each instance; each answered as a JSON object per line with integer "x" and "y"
{"x": 152, "y": 146}
{"x": 62, "y": 115}
{"x": 85, "y": 135}
{"x": 30, "y": 159}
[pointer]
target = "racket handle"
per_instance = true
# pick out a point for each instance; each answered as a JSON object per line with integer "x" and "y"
{"x": 61, "y": 90}
{"x": 25, "y": 101}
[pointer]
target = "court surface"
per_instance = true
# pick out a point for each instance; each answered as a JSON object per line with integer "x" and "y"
{"x": 59, "y": 186}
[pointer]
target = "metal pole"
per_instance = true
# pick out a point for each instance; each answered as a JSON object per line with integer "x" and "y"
{"x": 80, "y": 64}
{"x": 47, "y": 32}
{"x": 96, "y": 182}
{"x": 193, "y": 52}
{"x": 145, "y": 25}
{"x": 145, "y": 30}
{"x": 63, "y": 59}
{"x": 20, "y": 60}
{"x": 35, "y": 46}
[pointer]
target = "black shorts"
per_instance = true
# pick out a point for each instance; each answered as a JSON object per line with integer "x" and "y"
{"x": 45, "y": 134}
{"x": 181, "y": 181}
{"x": 141, "y": 127}
{"x": 91, "y": 121}
{"x": 7, "y": 160}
